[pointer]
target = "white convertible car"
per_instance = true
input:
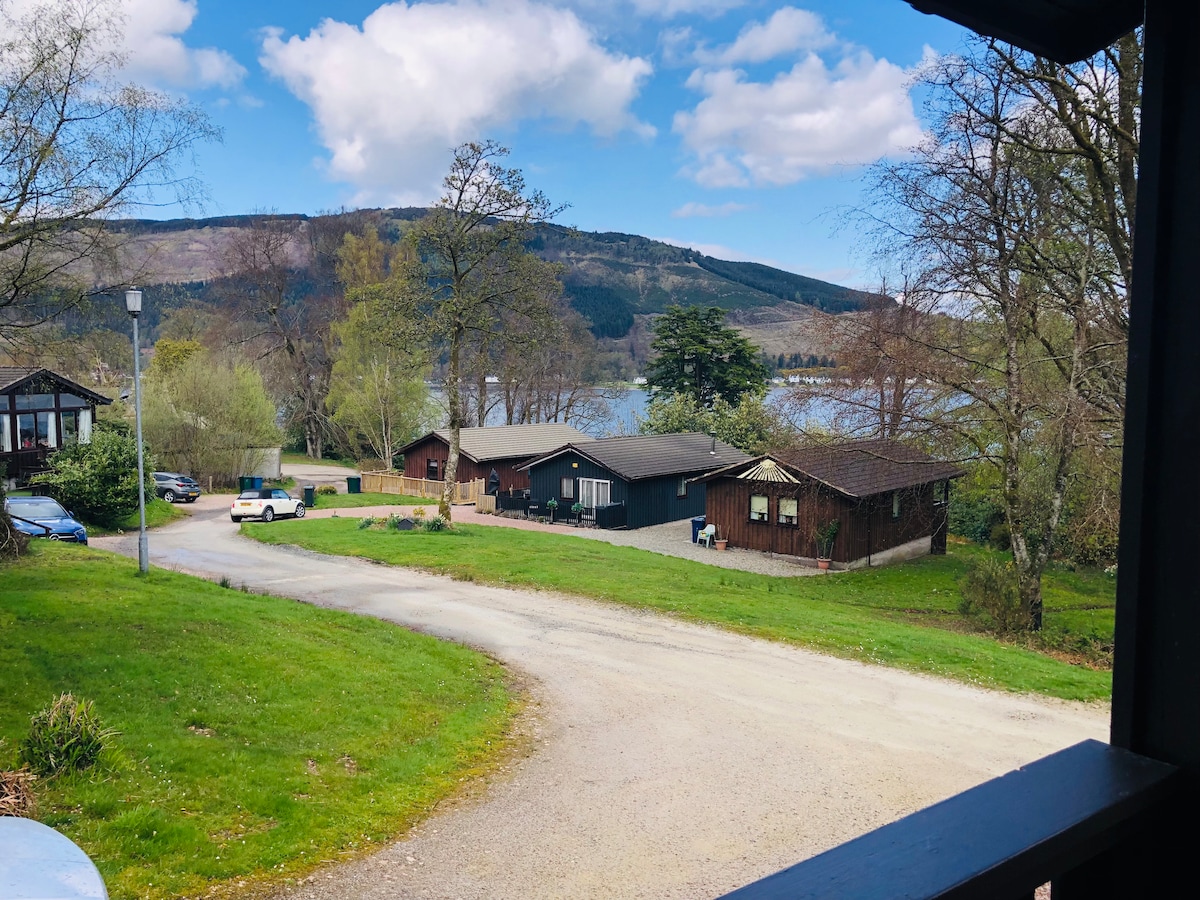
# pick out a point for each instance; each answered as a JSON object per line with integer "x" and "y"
{"x": 266, "y": 504}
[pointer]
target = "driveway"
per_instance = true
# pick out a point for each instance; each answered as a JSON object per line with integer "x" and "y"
{"x": 666, "y": 760}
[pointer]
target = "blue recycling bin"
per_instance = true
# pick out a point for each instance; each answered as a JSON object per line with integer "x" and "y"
{"x": 697, "y": 527}
{"x": 257, "y": 483}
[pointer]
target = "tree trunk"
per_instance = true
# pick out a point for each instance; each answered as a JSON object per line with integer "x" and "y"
{"x": 454, "y": 401}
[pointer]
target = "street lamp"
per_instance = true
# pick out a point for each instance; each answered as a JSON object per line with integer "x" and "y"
{"x": 133, "y": 304}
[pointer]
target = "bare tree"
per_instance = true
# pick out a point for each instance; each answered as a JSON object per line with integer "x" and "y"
{"x": 77, "y": 147}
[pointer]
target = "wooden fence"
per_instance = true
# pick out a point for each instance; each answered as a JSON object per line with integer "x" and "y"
{"x": 486, "y": 503}
{"x": 384, "y": 483}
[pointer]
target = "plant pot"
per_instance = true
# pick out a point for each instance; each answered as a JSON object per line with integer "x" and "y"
{"x": 721, "y": 542}
{"x": 822, "y": 564}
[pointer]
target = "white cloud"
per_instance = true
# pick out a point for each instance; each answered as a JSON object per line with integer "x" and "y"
{"x": 148, "y": 34}
{"x": 391, "y": 98}
{"x": 787, "y": 31}
{"x": 805, "y": 121}
{"x": 704, "y": 211}
{"x": 667, "y": 9}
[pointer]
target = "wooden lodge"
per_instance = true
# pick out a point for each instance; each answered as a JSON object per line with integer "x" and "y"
{"x": 40, "y": 412}
{"x": 889, "y": 501}
{"x": 502, "y": 449}
{"x": 650, "y": 475}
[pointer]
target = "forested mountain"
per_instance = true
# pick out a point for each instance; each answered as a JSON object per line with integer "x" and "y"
{"x": 609, "y": 277}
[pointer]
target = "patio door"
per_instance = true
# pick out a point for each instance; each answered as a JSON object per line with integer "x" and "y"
{"x": 593, "y": 492}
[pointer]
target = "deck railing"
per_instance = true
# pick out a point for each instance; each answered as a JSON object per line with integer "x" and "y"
{"x": 1077, "y": 820}
{"x": 391, "y": 483}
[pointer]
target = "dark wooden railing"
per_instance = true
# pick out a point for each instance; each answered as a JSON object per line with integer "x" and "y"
{"x": 1057, "y": 820}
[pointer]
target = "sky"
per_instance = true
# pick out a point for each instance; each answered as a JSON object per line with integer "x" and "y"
{"x": 741, "y": 128}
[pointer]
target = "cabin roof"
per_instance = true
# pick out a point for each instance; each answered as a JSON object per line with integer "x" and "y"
{"x": 854, "y": 468}
{"x": 15, "y": 377}
{"x": 506, "y": 441}
{"x": 636, "y": 456}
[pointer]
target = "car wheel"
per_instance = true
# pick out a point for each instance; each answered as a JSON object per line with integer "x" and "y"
{"x": 169, "y": 496}
{"x": 235, "y": 518}
{"x": 299, "y": 510}
{"x": 268, "y": 515}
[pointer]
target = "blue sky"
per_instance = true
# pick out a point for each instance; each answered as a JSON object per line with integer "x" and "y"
{"x": 739, "y": 127}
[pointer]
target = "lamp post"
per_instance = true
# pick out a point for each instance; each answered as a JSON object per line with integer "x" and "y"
{"x": 133, "y": 304}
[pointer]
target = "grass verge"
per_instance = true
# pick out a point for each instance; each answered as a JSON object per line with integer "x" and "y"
{"x": 354, "y": 501}
{"x": 258, "y": 737}
{"x": 903, "y": 615}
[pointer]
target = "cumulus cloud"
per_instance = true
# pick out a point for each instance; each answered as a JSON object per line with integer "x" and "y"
{"x": 147, "y": 33}
{"x": 787, "y": 31}
{"x": 667, "y": 9}
{"x": 704, "y": 211}
{"x": 390, "y": 98}
{"x": 806, "y": 120}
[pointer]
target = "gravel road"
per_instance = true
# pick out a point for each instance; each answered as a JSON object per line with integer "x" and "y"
{"x": 666, "y": 760}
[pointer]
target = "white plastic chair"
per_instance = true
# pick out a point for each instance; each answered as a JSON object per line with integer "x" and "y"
{"x": 707, "y": 535}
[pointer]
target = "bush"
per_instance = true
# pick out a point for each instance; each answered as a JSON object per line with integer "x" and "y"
{"x": 97, "y": 481}
{"x": 66, "y": 736}
{"x": 12, "y": 542}
{"x": 990, "y": 596}
{"x": 437, "y": 523}
{"x": 366, "y": 522}
{"x": 326, "y": 490}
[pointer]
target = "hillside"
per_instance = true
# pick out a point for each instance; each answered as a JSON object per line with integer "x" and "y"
{"x": 610, "y": 277}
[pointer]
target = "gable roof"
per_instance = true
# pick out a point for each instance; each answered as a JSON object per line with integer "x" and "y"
{"x": 13, "y": 377}
{"x": 854, "y": 468}
{"x": 637, "y": 456}
{"x": 506, "y": 441}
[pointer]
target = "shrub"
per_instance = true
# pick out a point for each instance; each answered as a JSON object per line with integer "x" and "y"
{"x": 98, "y": 480}
{"x": 437, "y": 523}
{"x": 990, "y": 596}
{"x": 66, "y": 736}
{"x": 366, "y": 522}
{"x": 325, "y": 490}
{"x": 419, "y": 513}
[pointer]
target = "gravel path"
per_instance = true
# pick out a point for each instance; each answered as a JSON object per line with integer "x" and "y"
{"x": 665, "y": 759}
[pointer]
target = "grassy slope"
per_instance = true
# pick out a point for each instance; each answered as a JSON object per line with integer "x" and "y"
{"x": 880, "y": 615}
{"x": 258, "y": 736}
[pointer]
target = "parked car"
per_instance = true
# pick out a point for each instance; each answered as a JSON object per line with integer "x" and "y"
{"x": 43, "y": 517}
{"x": 172, "y": 486}
{"x": 265, "y": 504}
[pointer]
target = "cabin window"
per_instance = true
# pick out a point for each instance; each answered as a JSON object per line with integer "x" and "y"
{"x": 70, "y": 428}
{"x": 566, "y": 488}
{"x": 36, "y": 431}
{"x": 35, "y": 401}
{"x": 593, "y": 492}
{"x": 941, "y": 493}
{"x": 6, "y": 434}
{"x": 788, "y": 510}
{"x": 85, "y": 426}
{"x": 70, "y": 401}
{"x": 759, "y": 505}
{"x": 681, "y": 488}
{"x": 431, "y": 469}
{"x": 895, "y": 504}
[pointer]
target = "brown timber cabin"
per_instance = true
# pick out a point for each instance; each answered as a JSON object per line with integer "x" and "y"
{"x": 502, "y": 448}
{"x": 41, "y": 412}
{"x": 890, "y": 502}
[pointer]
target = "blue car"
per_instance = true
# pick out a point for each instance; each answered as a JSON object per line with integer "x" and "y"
{"x": 43, "y": 517}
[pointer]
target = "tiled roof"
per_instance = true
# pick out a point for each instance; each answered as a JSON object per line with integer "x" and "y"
{"x": 652, "y": 455}
{"x": 11, "y": 376}
{"x": 509, "y": 441}
{"x": 865, "y": 468}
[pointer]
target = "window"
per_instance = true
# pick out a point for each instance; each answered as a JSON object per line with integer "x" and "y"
{"x": 70, "y": 428}
{"x": 895, "y": 504}
{"x": 36, "y": 431}
{"x": 788, "y": 510}
{"x": 593, "y": 492}
{"x": 941, "y": 493}
{"x": 681, "y": 490}
{"x": 566, "y": 488}
{"x": 35, "y": 401}
{"x": 6, "y": 442}
{"x": 431, "y": 469}
{"x": 758, "y": 507}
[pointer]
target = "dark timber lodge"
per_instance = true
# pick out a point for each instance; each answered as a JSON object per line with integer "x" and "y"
{"x": 1118, "y": 820}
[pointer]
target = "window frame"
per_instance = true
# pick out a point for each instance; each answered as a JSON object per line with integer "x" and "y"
{"x": 566, "y": 487}
{"x": 781, "y": 518}
{"x": 765, "y": 515}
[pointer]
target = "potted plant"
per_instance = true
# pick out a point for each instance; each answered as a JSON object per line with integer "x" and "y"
{"x": 720, "y": 542}
{"x": 825, "y": 535}
{"x": 577, "y": 511}
{"x": 552, "y": 505}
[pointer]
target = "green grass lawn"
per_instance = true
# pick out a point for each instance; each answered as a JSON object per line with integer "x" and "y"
{"x": 352, "y": 501}
{"x": 900, "y": 615}
{"x": 258, "y": 736}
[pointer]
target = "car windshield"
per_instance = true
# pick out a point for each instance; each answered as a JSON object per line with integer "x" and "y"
{"x": 250, "y": 495}
{"x": 36, "y": 508}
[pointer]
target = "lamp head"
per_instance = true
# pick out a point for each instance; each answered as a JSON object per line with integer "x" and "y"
{"x": 133, "y": 302}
